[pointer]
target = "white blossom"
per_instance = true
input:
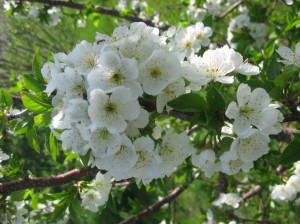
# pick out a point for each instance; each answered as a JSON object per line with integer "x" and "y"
{"x": 289, "y": 56}
{"x": 159, "y": 70}
{"x": 113, "y": 110}
{"x": 230, "y": 199}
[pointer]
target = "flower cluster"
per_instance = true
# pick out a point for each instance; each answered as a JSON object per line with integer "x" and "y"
{"x": 256, "y": 30}
{"x": 254, "y": 120}
{"x": 97, "y": 88}
{"x": 288, "y": 191}
{"x": 230, "y": 199}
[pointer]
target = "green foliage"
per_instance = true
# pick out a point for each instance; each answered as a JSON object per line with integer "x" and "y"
{"x": 190, "y": 102}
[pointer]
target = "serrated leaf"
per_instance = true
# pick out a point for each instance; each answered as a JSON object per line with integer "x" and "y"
{"x": 32, "y": 138}
{"x": 190, "y": 102}
{"x": 214, "y": 100}
{"x": 291, "y": 153}
{"x": 53, "y": 146}
{"x": 36, "y": 66}
{"x": 33, "y": 84}
{"x": 6, "y": 100}
{"x": 35, "y": 103}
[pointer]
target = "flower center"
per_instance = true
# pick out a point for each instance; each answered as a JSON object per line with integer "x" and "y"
{"x": 155, "y": 73}
{"x": 188, "y": 44}
{"x": 110, "y": 107}
{"x": 117, "y": 78}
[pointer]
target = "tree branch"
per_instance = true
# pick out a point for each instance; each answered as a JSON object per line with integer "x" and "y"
{"x": 94, "y": 8}
{"x": 152, "y": 208}
{"x": 72, "y": 175}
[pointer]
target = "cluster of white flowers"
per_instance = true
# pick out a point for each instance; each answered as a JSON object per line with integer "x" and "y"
{"x": 97, "y": 89}
{"x": 17, "y": 217}
{"x": 288, "y": 191}
{"x": 256, "y": 30}
{"x": 230, "y": 199}
{"x": 290, "y": 57}
{"x": 98, "y": 192}
{"x": 3, "y": 157}
{"x": 254, "y": 120}
{"x": 32, "y": 10}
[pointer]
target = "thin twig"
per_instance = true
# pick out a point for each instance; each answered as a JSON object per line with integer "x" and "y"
{"x": 18, "y": 115}
{"x": 236, "y": 4}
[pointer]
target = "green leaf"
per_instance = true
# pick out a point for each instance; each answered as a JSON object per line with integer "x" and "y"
{"x": 270, "y": 47}
{"x": 273, "y": 68}
{"x": 32, "y": 138}
{"x": 85, "y": 159}
{"x": 60, "y": 208}
{"x": 35, "y": 103}
{"x": 6, "y": 100}
{"x": 42, "y": 119}
{"x": 214, "y": 100}
{"x": 20, "y": 195}
{"x": 71, "y": 157}
{"x": 36, "y": 66}
{"x": 76, "y": 211}
{"x": 53, "y": 146}
{"x": 190, "y": 102}
{"x": 34, "y": 199}
{"x": 21, "y": 126}
{"x": 291, "y": 153}
{"x": 33, "y": 84}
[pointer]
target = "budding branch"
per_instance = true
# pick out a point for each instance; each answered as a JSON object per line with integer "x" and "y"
{"x": 27, "y": 183}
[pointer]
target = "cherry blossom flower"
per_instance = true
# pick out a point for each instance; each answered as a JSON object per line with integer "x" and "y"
{"x": 111, "y": 111}
{"x": 289, "y": 56}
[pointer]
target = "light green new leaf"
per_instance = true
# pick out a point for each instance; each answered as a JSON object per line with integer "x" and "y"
{"x": 35, "y": 103}
{"x": 33, "y": 84}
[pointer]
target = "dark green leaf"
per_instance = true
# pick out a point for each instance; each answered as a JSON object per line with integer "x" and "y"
{"x": 21, "y": 126}
{"x": 33, "y": 84}
{"x": 76, "y": 211}
{"x": 214, "y": 100}
{"x": 6, "y": 100}
{"x": 273, "y": 68}
{"x": 35, "y": 103}
{"x": 190, "y": 102}
{"x": 291, "y": 153}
